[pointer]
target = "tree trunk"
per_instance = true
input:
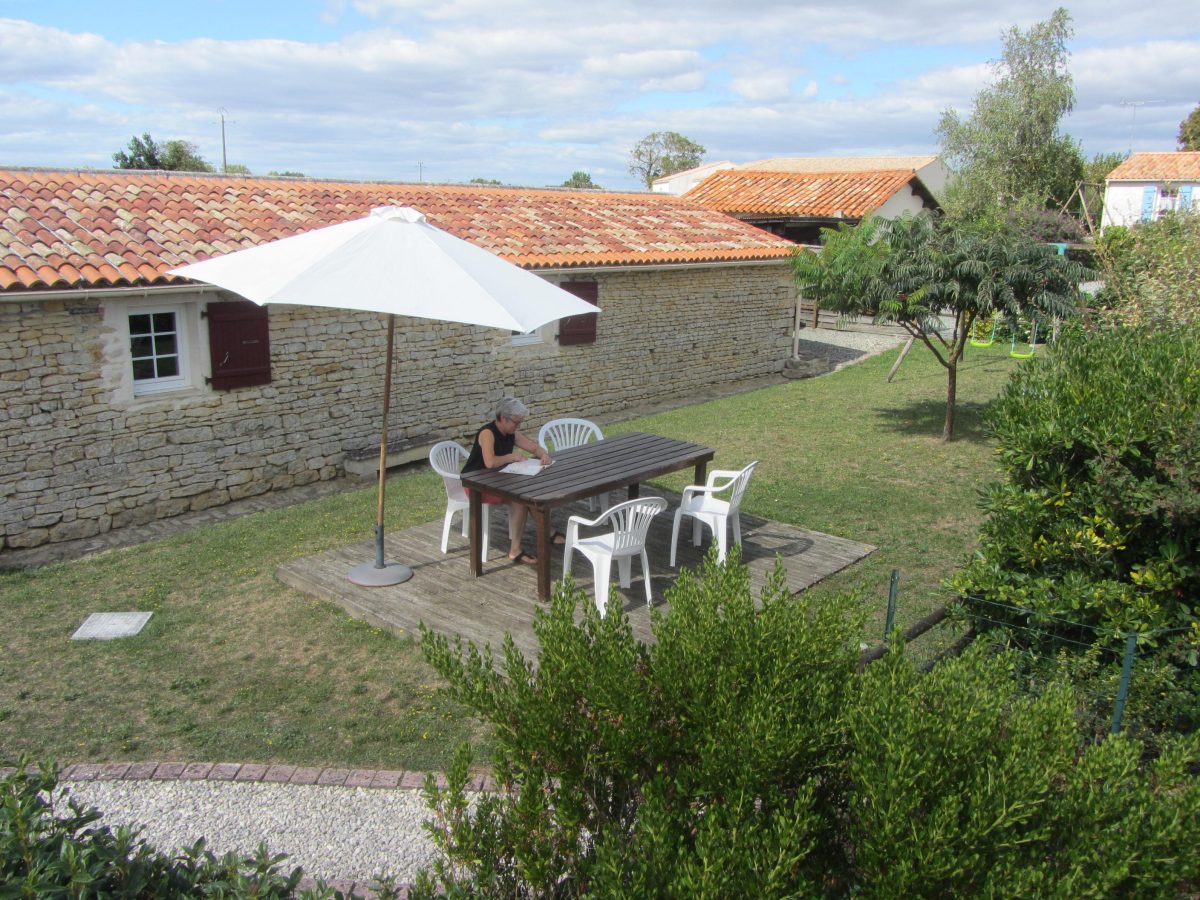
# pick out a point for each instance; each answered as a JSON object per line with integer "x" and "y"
{"x": 951, "y": 385}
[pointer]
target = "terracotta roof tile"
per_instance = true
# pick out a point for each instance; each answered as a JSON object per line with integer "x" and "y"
{"x": 822, "y": 194}
{"x": 1181, "y": 166}
{"x": 101, "y": 228}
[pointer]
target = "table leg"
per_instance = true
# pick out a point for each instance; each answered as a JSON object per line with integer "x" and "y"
{"x": 635, "y": 491}
{"x": 701, "y": 472}
{"x": 544, "y": 545}
{"x": 476, "y": 531}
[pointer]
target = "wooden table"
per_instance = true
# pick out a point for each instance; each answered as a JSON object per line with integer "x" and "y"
{"x": 623, "y": 461}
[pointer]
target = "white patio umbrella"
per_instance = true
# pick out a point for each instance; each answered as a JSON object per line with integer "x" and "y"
{"x": 391, "y": 261}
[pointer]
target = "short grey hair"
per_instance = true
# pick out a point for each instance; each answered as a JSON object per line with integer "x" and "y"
{"x": 511, "y": 408}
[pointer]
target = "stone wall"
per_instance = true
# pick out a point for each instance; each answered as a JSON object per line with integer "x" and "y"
{"x": 78, "y": 456}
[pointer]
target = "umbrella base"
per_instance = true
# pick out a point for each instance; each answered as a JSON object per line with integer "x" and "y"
{"x": 370, "y": 575}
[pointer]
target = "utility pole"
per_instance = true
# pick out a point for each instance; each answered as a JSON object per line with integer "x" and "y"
{"x": 420, "y": 173}
{"x": 224, "y": 160}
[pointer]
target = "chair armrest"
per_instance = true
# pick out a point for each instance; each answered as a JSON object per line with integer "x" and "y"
{"x": 693, "y": 490}
{"x": 727, "y": 474}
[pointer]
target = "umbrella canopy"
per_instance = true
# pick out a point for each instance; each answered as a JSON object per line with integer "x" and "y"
{"x": 391, "y": 261}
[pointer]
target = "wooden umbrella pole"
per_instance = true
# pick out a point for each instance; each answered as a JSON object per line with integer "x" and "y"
{"x": 383, "y": 436}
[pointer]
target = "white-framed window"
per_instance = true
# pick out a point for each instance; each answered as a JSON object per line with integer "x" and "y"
{"x": 154, "y": 347}
{"x": 158, "y": 350}
{"x": 1168, "y": 200}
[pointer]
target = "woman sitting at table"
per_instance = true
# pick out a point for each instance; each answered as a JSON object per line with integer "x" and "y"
{"x": 494, "y": 449}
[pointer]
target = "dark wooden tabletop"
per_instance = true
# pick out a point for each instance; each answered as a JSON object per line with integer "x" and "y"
{"x": 623, "y": 461}
{"x": 617, "y": 462}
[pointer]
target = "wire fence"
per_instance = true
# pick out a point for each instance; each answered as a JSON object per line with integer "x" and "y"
{"x": 1119, "y": 684}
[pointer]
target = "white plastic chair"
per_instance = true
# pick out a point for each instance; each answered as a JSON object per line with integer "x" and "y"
{"x": 447, "y": 459}
{"x": 714, "y": 505}
{"x": 630, "y": 521}
{"x": 561, "y": 434}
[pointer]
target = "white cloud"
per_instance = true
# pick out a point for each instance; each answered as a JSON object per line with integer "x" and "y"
{"x": 521, "y": 91}
{"x": 770, "y": 86}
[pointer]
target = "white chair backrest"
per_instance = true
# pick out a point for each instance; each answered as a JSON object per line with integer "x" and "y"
{"x": 447, "y": 458}
{"x": 631, "y": 520}
{"x": 739, "y": 486}
{"x": 561, "y": 434}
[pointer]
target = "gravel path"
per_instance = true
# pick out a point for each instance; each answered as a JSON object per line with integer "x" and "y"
{"x": 335, "y": 833}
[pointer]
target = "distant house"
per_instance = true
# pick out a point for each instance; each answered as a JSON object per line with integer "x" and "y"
{"x": 130, "y": 395}
{"x": 1147, "y": 186}
{"x": 797, "y": 205}
{"x": 934, "y": 173}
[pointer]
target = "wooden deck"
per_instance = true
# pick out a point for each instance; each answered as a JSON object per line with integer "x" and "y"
{"x": 444, "y": 596}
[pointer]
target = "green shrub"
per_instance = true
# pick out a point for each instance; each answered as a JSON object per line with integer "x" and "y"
{"x": 743, "y": 754}
{"x": 698, "y": 764}
{"x": 51, "y": 847}
{"x": 1152, "y": 271}
{"x": 963, "y": 784}
{"x": 1094, "y": 520}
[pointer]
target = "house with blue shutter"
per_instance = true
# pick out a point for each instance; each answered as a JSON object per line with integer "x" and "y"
{"x": 1148, "y": 186}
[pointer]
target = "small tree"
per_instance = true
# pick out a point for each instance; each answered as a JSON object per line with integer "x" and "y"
{"x": 1189, "y": 131}
{"x": 1009, "y": 153}
{"x": 910, "y": 272}
{"x": 581, "y": 181}
{"x": 663, "y": 153}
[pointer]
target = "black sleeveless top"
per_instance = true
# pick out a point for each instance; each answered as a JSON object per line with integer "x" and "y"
{"x": 504, "y": 444}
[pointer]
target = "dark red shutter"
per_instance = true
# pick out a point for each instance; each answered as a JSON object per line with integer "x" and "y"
{"x": 579, "y": 329}
{"x": 240, "y": 342}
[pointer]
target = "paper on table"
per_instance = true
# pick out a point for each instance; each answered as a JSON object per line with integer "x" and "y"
{"x": 524, "y": 467}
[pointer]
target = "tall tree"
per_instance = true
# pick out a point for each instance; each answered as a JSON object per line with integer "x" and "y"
{"x": 1009, "y": 153}
{"x": 1189, "y": 131}
{"x": 663, "y": 153}
{"x": 175, "y": 155}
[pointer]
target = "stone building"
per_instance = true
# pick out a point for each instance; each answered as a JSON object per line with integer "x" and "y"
{"x": 130, "y": 395}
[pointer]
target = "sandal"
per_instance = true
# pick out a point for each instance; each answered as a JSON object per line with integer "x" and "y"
{"x": 523, "y": 558}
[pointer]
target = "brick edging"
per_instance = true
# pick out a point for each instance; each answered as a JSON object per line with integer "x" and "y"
{"x": 255, "y": 773}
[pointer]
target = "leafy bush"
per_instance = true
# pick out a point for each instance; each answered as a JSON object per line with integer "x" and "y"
{"x": 744, "y": 754}
{"x": 963, "y": 785}
{"x": 1094, "y": 520}
{"x": 1152, "y": 271}
{"x": 51, "y": 847}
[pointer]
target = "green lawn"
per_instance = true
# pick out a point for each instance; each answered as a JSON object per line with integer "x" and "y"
{"x": 234, "y": 666}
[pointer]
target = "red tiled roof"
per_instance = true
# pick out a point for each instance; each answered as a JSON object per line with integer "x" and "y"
{"x": 1181, "y": 166}
{"x": 823, "y": 194}
{"x": 77, "y": 229}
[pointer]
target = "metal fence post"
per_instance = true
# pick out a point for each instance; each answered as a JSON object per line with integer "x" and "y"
{"x": 1123, "y": 687}
{"x": 893, "y": 590}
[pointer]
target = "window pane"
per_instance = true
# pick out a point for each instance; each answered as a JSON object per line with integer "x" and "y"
{"x": 164, "y": 322}
{"x": 143, "y": 369}
{"x": 168, "y": 366}
{"x": 164, "y": 345}
{"x": 139, "y": 324}
{"x": 141, "y": 347}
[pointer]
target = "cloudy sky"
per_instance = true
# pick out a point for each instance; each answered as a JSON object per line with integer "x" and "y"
{"x": 529, "y": 92}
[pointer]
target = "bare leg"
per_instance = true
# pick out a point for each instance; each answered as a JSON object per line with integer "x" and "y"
{"x": 517, "y": 514}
